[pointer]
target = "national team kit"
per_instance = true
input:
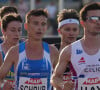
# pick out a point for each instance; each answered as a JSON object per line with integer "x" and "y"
{"x": 86, "y": 68}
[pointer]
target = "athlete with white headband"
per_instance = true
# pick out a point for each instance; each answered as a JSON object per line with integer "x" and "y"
{"x": 83, "y": 54}
{"x": 68, "y": 28}
{"x": 68, "y": 21}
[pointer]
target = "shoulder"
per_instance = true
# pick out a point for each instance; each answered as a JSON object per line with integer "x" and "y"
{"x": 53, "y": 49}
{"x": 54, "y": 55}
{"x": 12, "y": 52}
{"x": 65, "y": 53}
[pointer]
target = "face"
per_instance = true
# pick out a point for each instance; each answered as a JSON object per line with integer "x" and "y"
{"x": 37, "y": 26}
{"x": 69, "y": 32}
{"x": 92, "y": 24}
{"x": 13, "y": 32}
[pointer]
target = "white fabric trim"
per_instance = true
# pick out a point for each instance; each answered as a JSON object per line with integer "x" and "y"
{"x": 67, "y": 21}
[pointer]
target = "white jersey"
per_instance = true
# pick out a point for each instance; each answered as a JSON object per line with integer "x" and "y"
{"x": 86, "y": 68}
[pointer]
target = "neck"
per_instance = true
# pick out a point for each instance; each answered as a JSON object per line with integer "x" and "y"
{"x": 33, "y": 43}
{"x": 63, "y": 44}
{"x": 91, "y": 42}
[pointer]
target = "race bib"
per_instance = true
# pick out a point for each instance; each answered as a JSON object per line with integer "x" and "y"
{"x": 32, "y": 83}
{"x": 89, "y": 83}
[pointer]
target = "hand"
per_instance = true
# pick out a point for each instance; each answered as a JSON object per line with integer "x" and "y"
{"x": 69, "y": 85}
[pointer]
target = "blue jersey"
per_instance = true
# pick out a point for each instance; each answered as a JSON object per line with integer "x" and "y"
{"x": 10, "y": 74}
{"x": 33, "y": 74}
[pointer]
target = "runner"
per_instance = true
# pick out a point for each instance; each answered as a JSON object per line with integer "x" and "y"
{"x": 33, "y": 60}
{"x": 84, "y": 54}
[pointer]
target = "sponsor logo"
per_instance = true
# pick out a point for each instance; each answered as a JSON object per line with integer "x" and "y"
{"x": 33, "y": 84}
{"x": 79, "y": 51}
{"x": 26, "y": 66}
{"x": 34, "y": 81}
{"x": 81, "y": 61}
{"x": 91, "y": 81}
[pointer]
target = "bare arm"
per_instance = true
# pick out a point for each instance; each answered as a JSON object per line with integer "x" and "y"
{"x": 9, "y": 60}
{"x": 1, "y": 59}
{"x": 57, "y": 77}
{"x": 54, "y": 55}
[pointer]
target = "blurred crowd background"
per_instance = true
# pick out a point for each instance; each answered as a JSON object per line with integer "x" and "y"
{"x": 53, "y": 7}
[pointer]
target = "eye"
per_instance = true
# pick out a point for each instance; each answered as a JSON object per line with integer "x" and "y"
{"x": 44, "y": 24}
{"x": 19, "y": 30}
{"x": 74, "y": 29}
{"x": 67, "y": 29}
{"x": 12, "y": 30}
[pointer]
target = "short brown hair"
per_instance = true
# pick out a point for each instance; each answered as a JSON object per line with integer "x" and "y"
{"x": 88, "y": 7}
{"x": 36, "y": 12}
{"x": 67, "y": 14}
{"x": 9, "y": 18}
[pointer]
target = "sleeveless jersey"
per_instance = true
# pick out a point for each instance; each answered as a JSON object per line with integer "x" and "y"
{"x": 86, "y": 68}
{"x": 10, "y": 75}
{"x": 33, "y": 74}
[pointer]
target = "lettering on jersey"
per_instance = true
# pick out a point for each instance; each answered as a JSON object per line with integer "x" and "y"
{"x": 92, "y": 88}
{"x": 79, "y": 51}
{"x": 22, "y": 87}
{"x": 81, "y": 61}
{"x": 34, "y": 81}
{"x": 92, "y": 68}
{"x": 91, "y": 81}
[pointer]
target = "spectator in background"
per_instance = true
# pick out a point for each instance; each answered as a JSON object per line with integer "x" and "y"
{"x": 52, "y": 11}
{"x": 12, "y": 3}
{"x": 22, "y": 8}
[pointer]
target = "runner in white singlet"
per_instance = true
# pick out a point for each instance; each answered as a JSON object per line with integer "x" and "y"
{"x": 84, "y": 55}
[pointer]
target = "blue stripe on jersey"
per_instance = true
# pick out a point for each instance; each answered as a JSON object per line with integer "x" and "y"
{"x": 46, "y": 47}
{"x": 34, "y": 68}
{"x": 21, "y": 47}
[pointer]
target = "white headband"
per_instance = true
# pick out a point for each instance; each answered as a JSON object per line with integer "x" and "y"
{"x": 67, "y": 21}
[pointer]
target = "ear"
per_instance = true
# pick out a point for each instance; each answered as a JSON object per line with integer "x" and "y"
{"x": 2, "y": 31}
{"x": 82, "y": 23}
{"x": 25, "y": 26}
{"x": 59, "y": 31}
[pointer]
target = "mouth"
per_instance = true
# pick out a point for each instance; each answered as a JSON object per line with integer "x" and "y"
{"x": 39, "y": 33}
{"x": 16, "y": 39}
{"x": 71, "y": 38}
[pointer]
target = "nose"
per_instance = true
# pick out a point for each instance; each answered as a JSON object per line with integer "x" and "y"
{"x": 71, "y": 32}
{"x": 17, "y": 33}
